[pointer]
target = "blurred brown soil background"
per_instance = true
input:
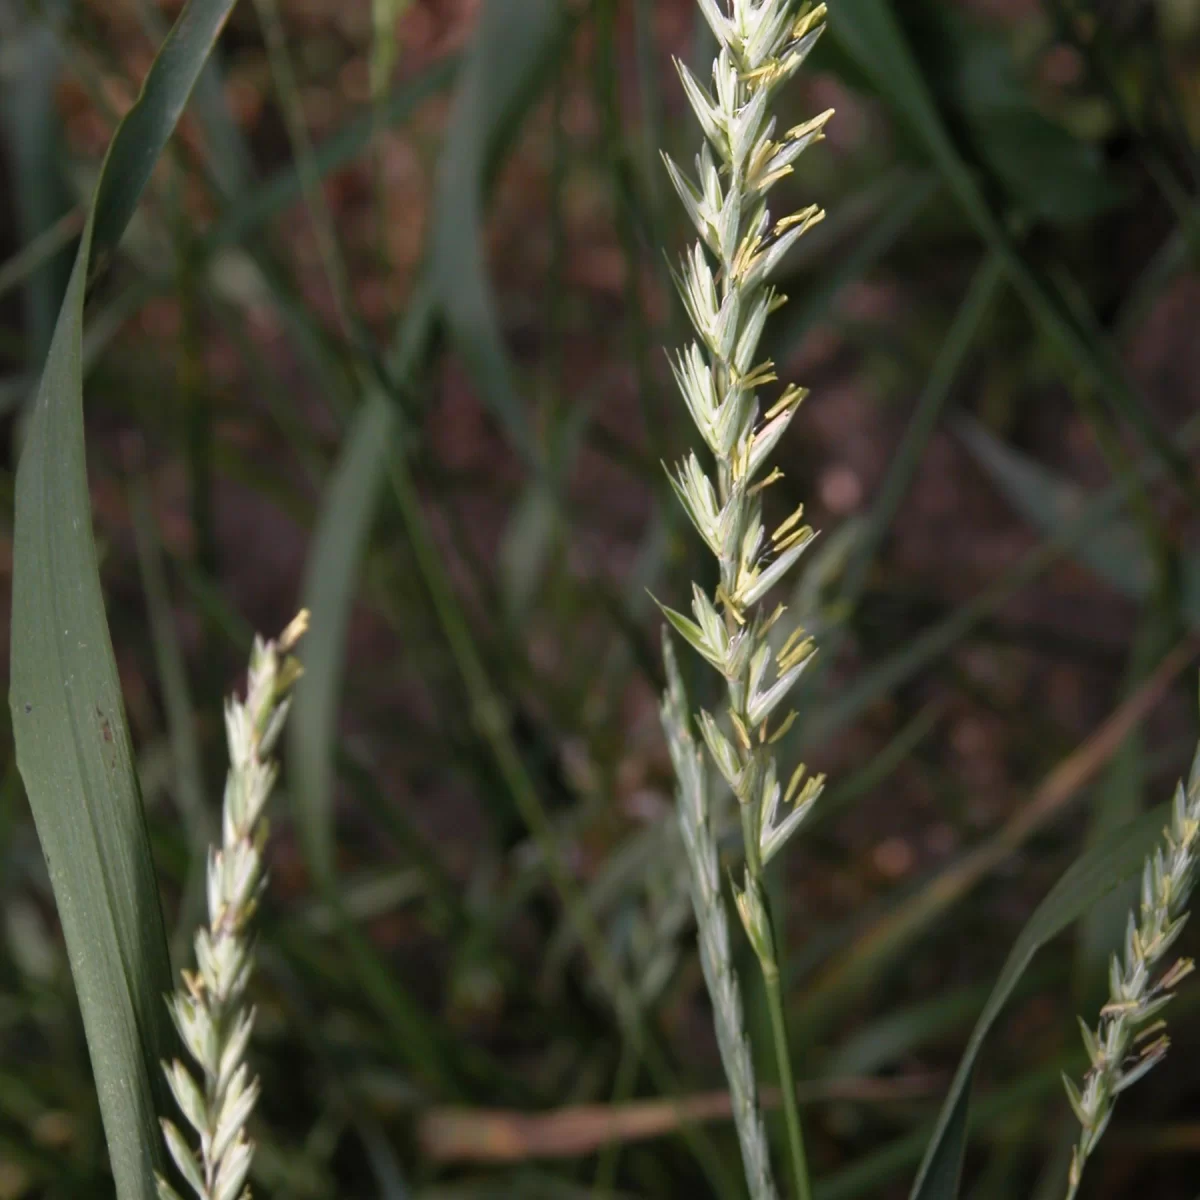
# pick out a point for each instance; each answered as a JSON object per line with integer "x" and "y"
{"x": 561, "y": 618}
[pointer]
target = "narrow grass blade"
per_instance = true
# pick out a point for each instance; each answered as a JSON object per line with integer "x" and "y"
{"x": 867, "y": 1174}
{"x": 40, "y": 250}
{"x": 1116, "y": 553}
{"x": 28, "y": 103}
{"x": 250, "y": 212}
{"x": 331, "y": 576}
{"x": 515, "y": 45}
{"x": 142, "y": 135}
{"x": 72, "y": 742}
{"x": 871, "y": 35}
{"x": 1091, "y": 877}
{"x": 939, "y": 639}
{"x": 348, "y": 510}
{"x": 888, "y": 937}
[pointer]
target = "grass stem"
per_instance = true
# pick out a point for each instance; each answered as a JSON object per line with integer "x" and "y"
{"x": 783, "y": 1060}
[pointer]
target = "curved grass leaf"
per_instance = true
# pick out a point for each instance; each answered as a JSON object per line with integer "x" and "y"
{"x": 142, "y": 135}
{"x": 348, "y": 509}
{"x": 72, "y": 743}
{"x": 516, "y": 44}
{"x": 1116, "y": 554}
{"x": 1089, "y": 879}
{"x": 1045, "y": 170}
{"x": 30, "y": 121}
{"x": 870, "y": 34}
{"x": 512, "y": 48}
{"x": 246, "y": 214}
{"x": 899, "y": 924}
{"x": 338, "y": 543}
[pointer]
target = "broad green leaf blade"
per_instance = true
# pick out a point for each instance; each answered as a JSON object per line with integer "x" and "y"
{"x": 72, "y": 742}
{"x": 74, "y": 755}
{"x": 1089, "y": 879}
{"x": 331, "y": 576}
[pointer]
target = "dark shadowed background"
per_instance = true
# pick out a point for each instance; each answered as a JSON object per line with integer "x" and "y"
{"x": 385, "y": 337}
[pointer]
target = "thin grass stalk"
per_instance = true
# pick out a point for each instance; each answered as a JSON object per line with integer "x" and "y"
{"x": 209, "y": 1009}
{"x": 1130, "y": 1038}
{"x": 724, "y": 284}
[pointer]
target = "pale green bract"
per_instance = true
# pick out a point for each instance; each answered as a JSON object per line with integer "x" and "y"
{"x": 209, "y": 1010}
{"x": 724, "y": 281}
{"x": 716, "y": 954}
{"x": 1128, "y": 1041}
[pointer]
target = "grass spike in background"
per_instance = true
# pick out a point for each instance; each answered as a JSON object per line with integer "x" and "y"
{"x": 724, "y": 283}
{"x": 1129, "y": 1039}
{"x": 208, "y": 1009}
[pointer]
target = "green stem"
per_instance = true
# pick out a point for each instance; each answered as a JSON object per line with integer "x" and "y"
{"x": 783, "y": 1059}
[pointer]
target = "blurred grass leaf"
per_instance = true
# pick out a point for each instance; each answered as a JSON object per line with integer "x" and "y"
{"x": 1116, "y": 553}
{"x": 498, "y": 78}
{"x": 1089, "y": 879}
{"x": 1046, "y": 172}
{"x": 338, "y": 542}
{"x": 39, "y": 192}
{"x": 249, "y": 212}
{"x": 516, "y": 44}
{"x": 871, "y": 34}
{"x": 72, "y": 742}
{"x": 884, "y": 939}
{"x": 535, "y": 528}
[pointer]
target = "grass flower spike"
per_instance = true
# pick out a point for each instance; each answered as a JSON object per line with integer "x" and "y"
{"x": 724, "y": 281}
{"x": 209, "y": 1009}
{"x": 1129, "y": 1041}
{"x": 716, "y": 954}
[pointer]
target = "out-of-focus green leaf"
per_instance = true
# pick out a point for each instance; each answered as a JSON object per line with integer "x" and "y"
{"x": 871, "y": 34}
{"x": 888, "y": 1039}
{"x": 143, "y": 133}
{"x": 535, "y": 527}
{"x": 516, "y": 43}
{"x": 511, "y": 51}
{"x": 1115, "y": 552}
{"x": 40, "y": 195}
{"x": 348, "y": 510}
{"x": 68, "y": 717}
{"x": 868, "y": 1173}
{"x": 885, "y": 938}
{"x": 338, "y": 542}
{"x": 1047, "y": 172}
{"x": 1091, "y": 877}
{"x": 248, "y": 213}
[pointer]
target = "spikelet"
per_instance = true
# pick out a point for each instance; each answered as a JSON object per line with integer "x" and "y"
{"x": 209, "y": 1009}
